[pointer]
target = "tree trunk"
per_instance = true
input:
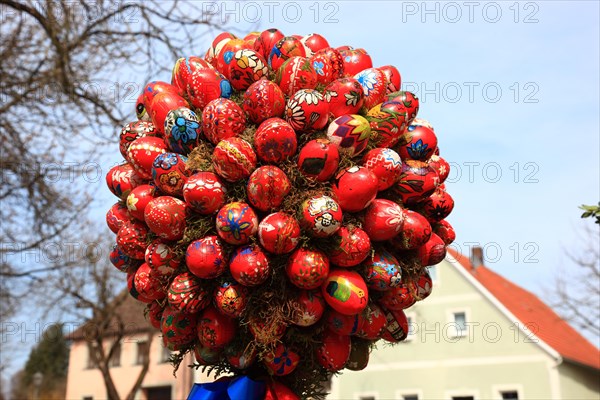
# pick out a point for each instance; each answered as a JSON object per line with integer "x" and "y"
{"x": 144, "y": 371}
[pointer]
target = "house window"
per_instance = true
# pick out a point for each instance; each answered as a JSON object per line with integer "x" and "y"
{"x": 88, "y": 398}
{"x": 457, "y": 323}
{"x": 460, "y": 319}
{"x": 143, "y": 352}
{"x": 367, "y": 397}
{"x": 463, "y": 398}
{"x": 410, "y": 397}
{"x": 91, "y": 364}
{"x": 165, "y": 355}
{"x": 115, "y": 359}
{"x": 158, "y": 393}
{"x": 509, "y": 395}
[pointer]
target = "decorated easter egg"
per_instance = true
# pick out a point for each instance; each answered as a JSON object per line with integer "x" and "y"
{"x": 247, "y": 67}
{"x": 319, "y": 159}
{"x": 309, "y": 307}
{"x": 236, "y": 223}
{"x": 307, "y": 268}
{"x": 183, "y": 70}
{"x": 275, "y": 141}
{"x": 155, "y": 311}
{"x": 178, "y": 328}
{"x": 279, "y": 233}
{"x": 295, "y": 74}
{"x": 314, "y": 42}
{"x": 234, "y": 159}
{"x": 216, "y": 46}
{"x": 187, "y": 294}
{"x": 334, "y": 59}
{"x": 265, "y": 330}
{"x": 251, "y": 37}
{"x": 441, "y": 166}
{"x": 267, "y": 39}
{"x": 286, "y": 48}
{"x": 385, "y": 164}
{"x": 355, "y": 60}
{"x": 231, "y": 298}
{"x": 355, "y": 188}
{"x": 131, "y": 289}
{"x": 222, "y": 119}
{"x": 142, "y": 152}
{"x": 206, "y": 85}
{"x": 424, "y": 285}
{"x": 162, "y": 104}
{"x": 140, "y": 109}
{"x": 133, "y": 131}
{"x": 205, "y": 355}
{"x": 182, "y": 130}
{"x": 383, "y": 220}
{"x": 204, "y": 193}
{"x": 165, "y": 216}
{"x": 240, "y": 358}
{"x": 422, "y": 122}
{"x": 350, "y": 133}
{"x": 307, "y": 111}
{"x": 414, "y": 233}
{"x": 204, "y": 257}
{"x": 382, "y": 271}
{"x": 116, "y": 216}
{"x": 396, "y": 328}
{"x": 148, "y": 285}
{"x": 122, "y": 261}
{"x": 334, "y": 351}
{"x": 433, "y": 251}
{"x": 388, "y": 122}
{"x": 345, "y": 291}
{"x": 225, "y": 57}
{"x": 374, "y": 322}
{"x": 120, "y": 179}
{"x": 155, "y": 88}
{"x": 445, "y": 231}
{"x": 321, "y": 216}
{"x": 138, "y": 199}
{"x": 392, "y": 78}
{"x": 417, "y": 181}
{"x": 410, "y": 101}
{"x": 438, "y": 206}
{"x": 262, "y": 100}
{"x": 215, "y": 330}
{"x": 399, "y": 297}
{"x": 249, "y": 265}
{"x": 161, "y": 258}
{"x": 344, "y": 324}
{"x": 373, "y": 83}
{"x": 420, "y": 143}
{"x": 169, "y": 173}
{"x": 282, "y": 361}
{"x": 359, "y": 355}
{"x": 344, "y": 96}
{"x": 267, "y": 187}
{"x": 131, "y": 239}
{"x": 351, "y": 246}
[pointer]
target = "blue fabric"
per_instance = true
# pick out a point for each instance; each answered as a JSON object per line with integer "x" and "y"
{"x": 240, "y": 388}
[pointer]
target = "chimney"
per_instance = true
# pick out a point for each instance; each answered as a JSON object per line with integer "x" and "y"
{"x": 476, "y": 256}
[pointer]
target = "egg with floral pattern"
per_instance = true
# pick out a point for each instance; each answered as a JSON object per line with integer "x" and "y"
{"x": 263, "y": 100}
{"x": 382, "y": 271}
{"x": 161, "y": 258}
{"x": 236, "y": 223}
{"x": 184, "y": 68}
{"x": 138, "y": 199}
{"x": 355, "y": 60}
{"x": 251, "y": 37}
{"x": 385, "y": 164}
{"x": 307, "y": 111}
{"x": 217, "y": 44}
{"x": 393, "y": 79}
{"x": 234, "y": 159}
{"x": 247, "y": 67}
{"x": 419, "y": 143}
{"x": 409, "y": 100}
{"x": 351, "y": 246}
{"x": 206, "y": 85}
{"x": 310, "y": 307}
{"x": 286, "y": 48}
{"x": 350, "y": 133}
{"x": 204, "y": 257}
{"x": 417, "y": 181}
{"x": 122, "y": 261}
{"x": 222, "y": 119}
{"x": 131, "y": 289}
{"x": 373, "y": 83}
{"x": 334, "y": 351}
{"x": 438, "y": 206}
{"x": 215, "y": 330}
{"x": 344, "y": 324}
{"x": 279, "y": 233}
{"x": 178, "y": 328}
{"x": 267, "y": 187}
{"x": 266, "y": 40}
{"x": 445, "y": 231}
{"x": 374, "y": 322}
{"x": 355, "y": 188}
{"x": 225, "y": 57}
{"x": 116, "y": 216}
{"x": 131, "y": 239}
{"x": 165, "y": 216}
{"x": 187, "y": 294}
{"x": 345, "y": 291}
{"x": 142, "y": 152}
{"x": 307, "y": 268}
{"x": 275, "y": 141}
{"x": 388, "y": 123}
{"x": 334, "y": 60}
{"x": 441, "y": 166}
{"x": 396, "y": 328}
{"x": 121, "y": 179}
{"x": 383, "y": 220}
{"x": 415, "y": 231}
{"x": 249, "y": 265}
{"x": 231, "y": 298}
{"x": 282, "y": 361}
{"x": 147, "y": 285}
{"x": 169, "y": 173}
{"x": 319, "y": 159}
{"x": 182, "y": 130}
{"x": 321, "y": 216}
{"x": 399, "y": 297}
{"x": 133, "y": 131}
{"x": 204, "y": 193}
{"x": 295, "y": 74}
{"x": 344, "y": 96}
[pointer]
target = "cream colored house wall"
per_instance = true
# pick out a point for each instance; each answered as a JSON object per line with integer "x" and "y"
{"x": 579, "y": 383}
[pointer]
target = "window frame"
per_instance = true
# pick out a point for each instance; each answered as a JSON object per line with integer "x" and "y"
{"x": 115, "y": 360}
{"x": 507, "y": 387}
{"x": 450, "y": 317}
{"x": 137, "y": 354}
{"x": 370, "y": 393}
{"x": 408, "y": 392}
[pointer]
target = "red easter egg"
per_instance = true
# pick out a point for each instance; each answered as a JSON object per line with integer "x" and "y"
{"x": 307, "y": 269}
{"x": 399, "y": 297}
{"x": 336, "y": 61}
{"x": 314, "y": 42}
{"x": 170, "y": 173}
{"x": 334, "y": 351}
{"x": 414, "y": 233}
{"x": 224, "y": 58}
{"x": 286, "y": 48}
{"x": 216, "y": 46}
{"x": 155, "y": 311}
{"x": 420, "y": 143}
{"x": 222, "y": 119}
{"x": 432, "y": 252}
{"x": 142, "y": 152}
{"x": 204, "y": 193}
{"x": 355, "y": 60}
{"x": 266, "y": 331}
{"x": 204, "y": 258}
{"x": 388, "y": 122}
{"x": 161, "y": 258}
{"x": 345, "y": 291}
{"x": 206, "y": 85}
{"x": 350, "y": 133}
{"x": 183, "y": 132}
{"x": 307, "y": 111}
{"x": 344, "y": 96}
{"x": 140, "y": 109}
{"x": 215, "y": 330}
{"x": 122, "y": 261}
{"x": 116, "y": 216}
{"x": 138, "y": 199}
{"x": 165, "y": 216}
{"x": 178, "y": 328}
{"x": 344, "y": 324}
{"x": 231, "y": 298}
{"x": 251, "y": 37}
{"x": 373, "y": 83}
{"x": 310, "y": 308}
{"x": 321, "y": 216}
{"x": 385, "y": 164}
{"x": 282, "y": 361}
{"x": 236, "y": 223}
{"x": 121, "y": 179}
{"x": 279, "y": 233}
{"x": 148, "y": 285}
{"x": 187, "y": 294}
{"x": 410, "y": 101}
{"x": 392, "y": 78}
{"x": 131, "y": 239}
{"x": 278, "y": 391}
{"x": 206, "y": 356}
{"x": 183, "y": 70}
{"x": 359, "y": 355}
{"x": 417, "y": 181}
{"x": 438, "y": 206}
{"x": 351, "y": 247}
{"x": 426, "y": 124}
{"x": 383, "y": 220}
{"x": 162, "y": 104}
{"x": 275, "y": 141}
{"x": 267, "y": 187}
{"x": 382, "y": 271}
{"x": 133, "y": 292}
{"x": 263, "y": 100}
{"x": 234, "y": 159}
{"x": 133, "y": 131}
{"x": 265, "y": 42}
{"x": 247, "y": 67}
{"x": 424, "y": 285}
{"x": 240, "y": 358}
{"x": 445, "y": 231}
{"x": 396, "y": 328}
{"x": 153, "y": 89}
{"x": 441, "y": 166}
{"x": 374, "y": 322}
{"x": 295, "y": 74}
{"x": 319, "y": 159}
{"x": 355, "y": 188}
{"x": 322, "y": 67}
{"x": 249, "y": 265}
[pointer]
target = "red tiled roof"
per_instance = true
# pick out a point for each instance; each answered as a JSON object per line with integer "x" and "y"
{"x": 528, "y": 308}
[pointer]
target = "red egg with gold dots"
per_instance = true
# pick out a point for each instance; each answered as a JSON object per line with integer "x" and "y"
{"x": 247, "y": 67}
{"x": 344, "y": 324}
{"x": 133, "y": 131}
{"x": 236, "y": 223}
{"x": 445, "y": 231}
{"x": 438, "y": 206}
{"x": 351, "y": 247}
{"x": 187, "y": 294}
{"x": 206, "y": 85}
{"x": 310, "y": 308}
{"x": 215, "y": 330}
{"x": 170, "y": 173}
{"x": 355, "y": 60}
{"x": 414, "y": 233}
{"x": 307, "y": 111}
{"x": 222, "y": 119}
{"x": 319, "y": 159}
{"x": 307, "y": 268}
{"x": 225, "y": 57}
{"x": 295, "y": 74}
{"x": 433, "y": 251}
{"x": 165, "y": 216}
{"x": 420, "y": 143}
{"x": 121, "y": 179}
{"x": 267, "y": 187}
{"x": 267, "y": 39}
{"x": 161, "y": 258}
{"x": 374, "y": 322}
{"x": 182, "y": 130}
{"x": 385, "y": 164}
{"x": 263, "y": 100}
{"x": 382, "y": 271}
{"x": 334, "y": 351}
{"x": 396, "y": 328}
{"x": 383, "y": 220}
{"x": 321, "y": 216}
{"x": 392, "y": 78}
{"x": 350, "y": 133}
{"x": 417, "y": 181}
{"x": 279, "y": 233}
{"x": 138, "y": 199}
{"x": 142, "y": 152}
{"x": 286, "y": 48}
{"x": 441, "y": 166}
{"x": 249, "y": 265}
{"x": 231, "y": 298}
{"x": 275, "y": 141}
{"x": 148, "y": 285}
{"x": 178, "y": 328}
{"x": 234, "y": 159}
{"x": 204, "y": 193}
{"x": 373, "y": 83}
{"x": 204, "y": 258}
{"x": 399, "y": 297}
{"x": 282, "y": 361}
{"x": 344, "y": 96}
{"x": 131, "y": 239}
{"x": 183, "y": 70}
{"x": 409, "y": 100}
{"x": 345, "y": 291}
{"x": 355, "y": 188}
{"x": 154, "y": 89}
{"x": 116, "y": 216}
{"x": 388, "y": 123}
